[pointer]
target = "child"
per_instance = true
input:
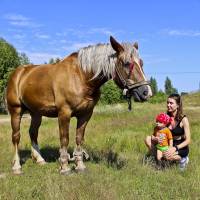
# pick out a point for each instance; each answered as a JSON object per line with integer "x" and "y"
{"x": 163, "y": 134}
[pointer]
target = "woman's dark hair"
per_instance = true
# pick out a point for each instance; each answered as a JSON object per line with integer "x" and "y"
{"x": 178, "y": 100}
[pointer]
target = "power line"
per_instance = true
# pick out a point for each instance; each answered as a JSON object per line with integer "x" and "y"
{"x": 172, "y": 73}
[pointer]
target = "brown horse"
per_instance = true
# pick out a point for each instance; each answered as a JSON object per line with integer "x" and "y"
{"x": 71, "y": 88}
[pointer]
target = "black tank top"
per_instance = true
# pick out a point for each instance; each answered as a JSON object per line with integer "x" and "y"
{"x": 178, "y": 131}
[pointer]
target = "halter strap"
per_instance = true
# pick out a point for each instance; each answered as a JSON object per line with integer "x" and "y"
{"x": 131, "y": 67}
{"x": 128, "y": 83}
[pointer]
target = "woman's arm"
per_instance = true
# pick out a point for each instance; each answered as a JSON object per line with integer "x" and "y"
{"x": 169, "y": 154}
{"x": 171, "y": 142}
{"x": 187, "y": 135}
{"x": 154, "y": 139}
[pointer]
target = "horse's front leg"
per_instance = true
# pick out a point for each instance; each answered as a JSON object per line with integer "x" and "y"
{"x": 64, "y": 120}
{"x": 80, "y": 130}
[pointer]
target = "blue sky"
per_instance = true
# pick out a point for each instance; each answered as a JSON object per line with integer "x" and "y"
{"x": 168, "y": 32}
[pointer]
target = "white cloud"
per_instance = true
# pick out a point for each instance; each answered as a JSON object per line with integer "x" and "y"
{"x": 42, "y": 36}
{"x": 103, "y": 31}
{"x": 16, "y": 17}
{"x": 19, "y": 36}
{"x": 20, "y": 20}
{"x": 87, "y": 32}
{"x": 76, "y": 46}
{"x": 188, "y": 33}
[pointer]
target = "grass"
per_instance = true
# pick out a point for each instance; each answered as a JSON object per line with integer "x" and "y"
{"x": 114, "y": 141}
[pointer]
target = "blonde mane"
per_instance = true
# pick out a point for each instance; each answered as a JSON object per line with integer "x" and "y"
{"x": 102, "y": 58}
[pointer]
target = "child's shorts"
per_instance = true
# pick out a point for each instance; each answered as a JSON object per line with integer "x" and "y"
{"x": 162, "y": 148}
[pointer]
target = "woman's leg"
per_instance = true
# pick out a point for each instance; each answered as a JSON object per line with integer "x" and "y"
{"x": 159, "y": 154}
{"x": 151, "y": 145}
{"x": 148, "y": 142}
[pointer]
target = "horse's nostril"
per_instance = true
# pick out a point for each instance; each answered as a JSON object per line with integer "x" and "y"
{"x": 145, "y": 93}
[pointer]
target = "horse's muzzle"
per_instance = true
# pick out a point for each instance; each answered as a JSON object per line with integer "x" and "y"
{"x": 141, "y": 93}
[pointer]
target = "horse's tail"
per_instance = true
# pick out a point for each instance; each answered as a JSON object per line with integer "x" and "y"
{"x": 3, "y": 102}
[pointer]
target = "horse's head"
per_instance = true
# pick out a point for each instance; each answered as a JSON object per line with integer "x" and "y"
{"x": 129, "y": 74}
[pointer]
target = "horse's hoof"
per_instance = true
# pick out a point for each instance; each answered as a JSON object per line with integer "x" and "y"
{"x": 17, "y": 172}
{"x": 65, "y": 171}
{"x": 43, "y": 162}
{"x": 80, "y": 170}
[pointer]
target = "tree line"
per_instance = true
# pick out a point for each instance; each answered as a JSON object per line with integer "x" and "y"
{"x": 10, "y": 59}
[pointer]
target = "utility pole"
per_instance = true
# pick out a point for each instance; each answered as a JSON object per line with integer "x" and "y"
{"x": 199, "y": 86}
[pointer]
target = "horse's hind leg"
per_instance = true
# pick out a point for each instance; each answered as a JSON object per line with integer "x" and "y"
{"x": 16, "y": 114}
{"x": 33, "y": 132}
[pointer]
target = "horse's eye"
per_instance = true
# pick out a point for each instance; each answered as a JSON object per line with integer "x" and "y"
{"x": 127, "y": 64}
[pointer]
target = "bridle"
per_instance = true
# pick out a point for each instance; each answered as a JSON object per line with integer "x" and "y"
{"x": 129, "y": 84}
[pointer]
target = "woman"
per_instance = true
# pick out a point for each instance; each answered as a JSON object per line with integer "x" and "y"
{"x": 180, "y": 131}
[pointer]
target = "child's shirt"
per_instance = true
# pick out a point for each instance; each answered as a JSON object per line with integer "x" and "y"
{"x": 164, "y": 134}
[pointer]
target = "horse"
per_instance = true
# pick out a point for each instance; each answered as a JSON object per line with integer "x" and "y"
{"x": 71, "y": 88}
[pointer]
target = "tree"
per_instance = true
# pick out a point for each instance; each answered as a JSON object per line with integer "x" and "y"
{"x": 169, "y": 89}
{"x": 9, "y": 60}
{"x": 51, "y": 61}
{"x": 57, "y": 60}
{"x": 24, "y": 60}
{"x": 154, "y": 86}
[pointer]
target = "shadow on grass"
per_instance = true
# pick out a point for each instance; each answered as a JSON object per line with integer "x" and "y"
{"x": 51, "y": 154}
{"x": 24, "y": 156}
{"x": 150, "y": 160}
{"x": 109, "y": 157}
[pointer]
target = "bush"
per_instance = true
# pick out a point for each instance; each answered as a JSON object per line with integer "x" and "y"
{"x": 160, "y": 97}
{"x": 110, "y": 93}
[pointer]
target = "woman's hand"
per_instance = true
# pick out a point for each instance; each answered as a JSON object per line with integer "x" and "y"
{"x": 154, "y": 139}
{"x": 169, "y": 154}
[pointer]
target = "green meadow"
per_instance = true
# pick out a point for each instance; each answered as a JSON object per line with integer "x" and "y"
{"x": 114, "y": 140}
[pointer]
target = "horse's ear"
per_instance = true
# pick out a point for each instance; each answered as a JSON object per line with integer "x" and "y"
{"x": 115, "y": 45}
{"x": 135, "y": 45}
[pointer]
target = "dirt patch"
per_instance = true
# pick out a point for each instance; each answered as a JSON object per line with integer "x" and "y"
{"x": 7, "y": 119}
{"x": 2, "y": 175}
{"x": 3, "y": 120}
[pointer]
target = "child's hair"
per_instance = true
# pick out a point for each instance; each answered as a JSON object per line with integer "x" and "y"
{"x": 178, "y": 100}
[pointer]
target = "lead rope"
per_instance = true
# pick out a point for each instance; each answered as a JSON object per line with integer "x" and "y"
{"x": 126, "y": 91}
{"x": 129, "y": 104}
{"x": 131, "y": 67}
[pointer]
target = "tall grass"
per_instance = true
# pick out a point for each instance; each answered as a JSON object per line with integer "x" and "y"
{"x": 114, "y": 139}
